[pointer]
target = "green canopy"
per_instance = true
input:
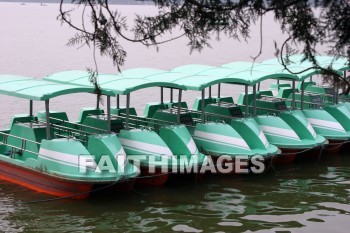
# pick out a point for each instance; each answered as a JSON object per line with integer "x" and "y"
{"x": 241, "y": 65}
{"x": 33, "y": 89}
{"x": 257, "y": 72}
{"x": 258, "y": 75}
{"x": 235, "y": 72}
{"x": 298, "y": 65}
{"x": 135, "y": 79}
{"x": 337, "y": 63}
{"x": 140, "y": 72}
{"x": 200, "y": 82}
{"x": 192, "y": 69}
{"x": 202, "y": 76}
{"x": 123, "y": 83}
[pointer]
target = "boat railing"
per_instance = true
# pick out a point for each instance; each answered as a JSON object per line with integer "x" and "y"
{"x": 251, "y": 107}
{"x": 312, "y": 104}
{"x": 22, "y": 148}
{"x": 77, "y": 126}
{"x": 66, "y": 132}
{"x": 69, "y": 132}
{"x": 139, "y": 122}
{"x": 344, "y": 99}
{"x": 207, "y": 115}
{"x": 317, "y": 93}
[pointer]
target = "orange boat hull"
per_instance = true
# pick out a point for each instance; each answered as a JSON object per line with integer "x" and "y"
{"x": 44, "y": 183}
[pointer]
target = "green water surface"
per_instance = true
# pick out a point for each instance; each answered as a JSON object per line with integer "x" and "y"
{"x": 307, "y": 197}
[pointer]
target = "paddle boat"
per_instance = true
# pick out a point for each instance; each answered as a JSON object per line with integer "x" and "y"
{"x": 51, "y": 158}
{"x": 284, "y": 129}
{"x": 161, "y": 148}
{"x": 329, "y": 119}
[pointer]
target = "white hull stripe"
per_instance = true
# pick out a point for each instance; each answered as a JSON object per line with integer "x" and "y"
{"x": 312, "y": 131}
{"x": 285, "y": 133}
{"x": 191, "y": 145}
{"x": 221, "y": 143}
{"x": 63, "y": 158}
{"x": 327, "y": 128}
{"x": 221, "y": 139}
{"x": 326, "y": 124}
{"x": 146, "y": 147}
{"x": 283, "y": 136}
{"x": 264, "y": 139}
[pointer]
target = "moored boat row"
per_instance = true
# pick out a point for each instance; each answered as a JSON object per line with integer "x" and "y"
{"x": 51, "y": 154}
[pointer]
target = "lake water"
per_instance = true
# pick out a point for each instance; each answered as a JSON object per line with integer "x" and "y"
{"x": 312, "y": 197}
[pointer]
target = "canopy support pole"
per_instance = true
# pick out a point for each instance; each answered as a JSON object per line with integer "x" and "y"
{"x": 171, "y": 95}
{"x": 278, "y": 82}
{"x": 334, "y": 95}
{"x": 108, "y": 114}
{"x": 203, "y": 96}
{"x": 118, "y": 101}
{"x": 259, "y": 86}
{"x": 337, "y": 96}
{"x": 310, "y": 78}
{"x": 210, "y": 92}
{"x": 293, "y": 94}
{"x": 254, "y": 100}
{"x": 246, "y": 100}
{"x": 179, "y": 106}
{"x": 127, "y": 111}
{"x": 302, "y": 96}
{"x": 219, "y": 90}
{"x": 97, "y": 101}
{"x": 338, "y": 87}
{"x": 48, "y": 127}
{"x": 161, "y": 95}
{"x": 30, "y": 107}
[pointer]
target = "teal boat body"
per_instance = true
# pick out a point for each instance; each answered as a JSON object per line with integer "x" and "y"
{"x": 263, "y": 129}
{"x": 164, "y": 150}
{"x": 97, "y": 141}
{"x": 279, "y": 133}
{"x": 341, "y": 113}
{"x": 222, "y": 139}
{"x": 181, "y": 144}
{"x": 325, "y": 124}
{"x": 146, "y": 148}
{"x": 63, "y": 157}
{"x": 303, "y": 128}
{"x": 53, "y": 157}
{"x": 329, "y": 120}
{"x": 218, "y": 138}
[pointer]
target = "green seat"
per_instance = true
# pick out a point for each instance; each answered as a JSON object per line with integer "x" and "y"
{"x": 122, "y": 110}
{"x": 265, "y": 92}
{"x": 285, "y": 92}
{"x": 197, "y": 105}
{"x": 59, "y": 116}
{"x": 277, "y": 86}
{"x": 242, "y": 98}
{"x": 151, "y": 108}
{"x": 22, "y": 118}
{"x": 84, "y": 112}
{"x": 306, "y": 84}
